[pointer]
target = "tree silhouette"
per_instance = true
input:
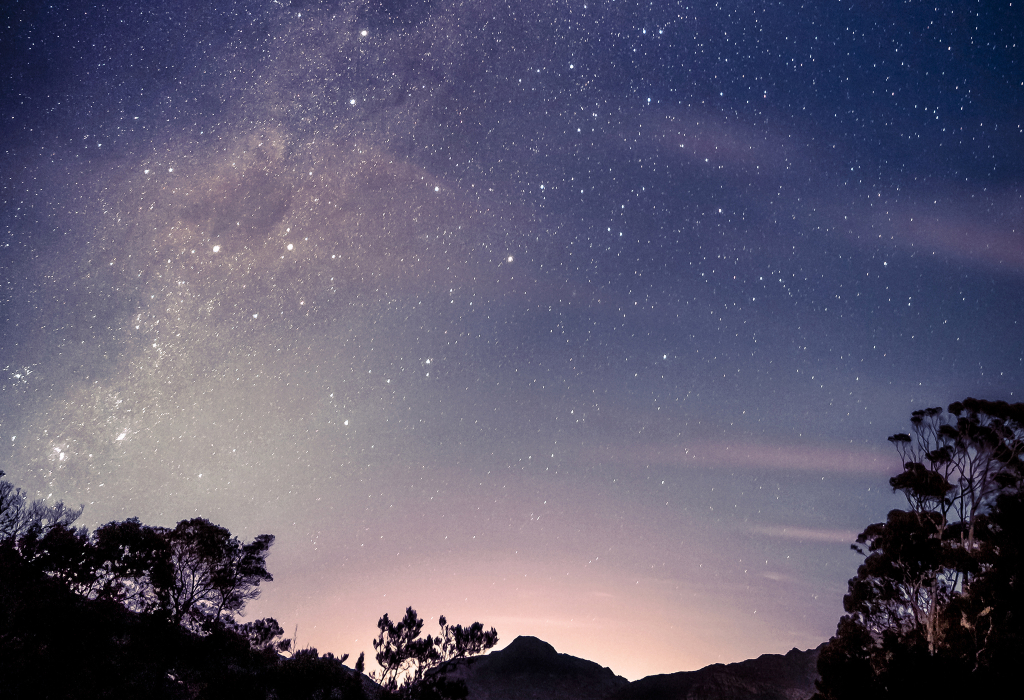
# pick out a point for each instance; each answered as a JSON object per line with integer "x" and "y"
{"x": 18, "y": 514}
{"x": 214, "y": 574}
{"x": 415, "y": 667}
{"x": 133, "y": 565}
{"x": 458, "y": 642}
{"x": 63, "y": 552}
{"x": 140, "y": 611}
{"x": 197, "y": 573}
{"x": 935, "y": 606}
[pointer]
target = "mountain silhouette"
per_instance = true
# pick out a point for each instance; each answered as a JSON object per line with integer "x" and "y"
{"x": 768, "y": 677}
{"x": 531, "y": 669}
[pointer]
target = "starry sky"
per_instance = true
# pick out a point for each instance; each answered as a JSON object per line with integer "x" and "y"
{"x": 587, "y": 319}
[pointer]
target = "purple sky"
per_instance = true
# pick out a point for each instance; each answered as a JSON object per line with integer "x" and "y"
{"x": 586, "y": 320}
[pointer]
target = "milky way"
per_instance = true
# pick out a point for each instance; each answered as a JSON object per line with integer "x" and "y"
{"x": 587, "y": 320}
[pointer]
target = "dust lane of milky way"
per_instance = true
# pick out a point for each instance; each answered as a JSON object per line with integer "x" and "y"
{"x": 587, "y": 320}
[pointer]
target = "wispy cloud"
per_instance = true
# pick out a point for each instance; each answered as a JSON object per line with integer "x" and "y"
{"x": 807, "y": 534}
{"x": 946, "y": 228}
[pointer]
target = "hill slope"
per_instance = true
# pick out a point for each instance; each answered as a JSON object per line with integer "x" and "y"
{"x": 531, "y": 669}
{"x": 768, "y": 677}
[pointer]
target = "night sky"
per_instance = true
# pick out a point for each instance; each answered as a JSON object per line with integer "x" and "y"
{"x": 584, "y": 319}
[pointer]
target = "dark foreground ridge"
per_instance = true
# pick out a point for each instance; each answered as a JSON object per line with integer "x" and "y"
{"x": 768, "y": 677}
{"x": 531, "y": 669}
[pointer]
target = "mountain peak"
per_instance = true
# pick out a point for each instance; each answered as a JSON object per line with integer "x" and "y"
{"x": 525, "y": 646}
{"x": 531, "y": 669}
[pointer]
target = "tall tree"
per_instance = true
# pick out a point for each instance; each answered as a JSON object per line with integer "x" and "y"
{"x": 934, "y": 600}
{"x": 215, "y": 575}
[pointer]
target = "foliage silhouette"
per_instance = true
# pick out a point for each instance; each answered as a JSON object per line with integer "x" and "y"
{"x": 91, "y": 616}
{"x": 18, "y": 515}
{"x": 935, "y": 609}
{"x": 415, "y": 667}
{"x": 133, "y": 565}
{"x": 214, "y": 574}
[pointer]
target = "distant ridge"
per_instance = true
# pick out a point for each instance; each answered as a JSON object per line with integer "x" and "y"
{"x": 768, "y": 677}
{"x": 531, "y": 669}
